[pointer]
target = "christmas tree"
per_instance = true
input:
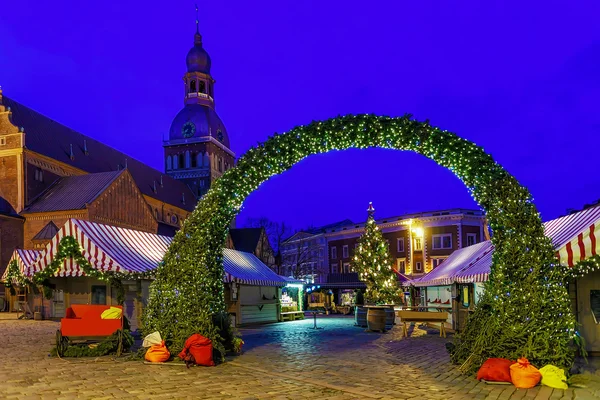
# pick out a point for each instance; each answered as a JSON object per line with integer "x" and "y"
{"x": 373, "y": 262}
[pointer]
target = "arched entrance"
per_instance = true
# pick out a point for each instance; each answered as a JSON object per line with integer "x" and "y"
{"x": 525, "y": 311}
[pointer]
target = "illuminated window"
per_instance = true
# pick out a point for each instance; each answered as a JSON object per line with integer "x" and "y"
{"x": 418, "y": 244}
{"x": 418, "y": 266}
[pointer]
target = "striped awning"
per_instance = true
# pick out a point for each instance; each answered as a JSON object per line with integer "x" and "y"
{"x": 458, "y": 261}
{"x": 247, "y": 269}
{"x": 106, "y": 248}
{"x": 574, "y": 235}
{"x": 24, "y": 259}
{"x": 478, "y": 270}
{"x": 112, "y": 249}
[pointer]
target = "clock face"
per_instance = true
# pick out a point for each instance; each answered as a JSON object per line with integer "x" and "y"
{"x": 220, "y": 135}
{"x": 188, "y": 130}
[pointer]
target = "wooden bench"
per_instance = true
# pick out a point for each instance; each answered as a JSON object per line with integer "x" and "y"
{"x": 292, "y": 315}
{"x": 406, "y": 317}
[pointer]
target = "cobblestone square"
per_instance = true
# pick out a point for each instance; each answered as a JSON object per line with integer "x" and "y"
{"x": 280, "y": 361}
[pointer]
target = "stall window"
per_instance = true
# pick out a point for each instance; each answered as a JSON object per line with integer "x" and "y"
{"x": 98, "y": 294}
{"x": 595, "y": 304}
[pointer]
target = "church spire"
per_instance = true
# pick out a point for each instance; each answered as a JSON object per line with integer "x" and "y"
{"x": 197, "y": 36}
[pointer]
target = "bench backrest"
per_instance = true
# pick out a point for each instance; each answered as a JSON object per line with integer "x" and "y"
{"x": 87, "y": 311}
{"x": 316, "y": 304}
{"x": 422, "y": 316}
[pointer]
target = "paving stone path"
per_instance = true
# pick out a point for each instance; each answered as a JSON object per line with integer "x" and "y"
{"x": 280, "y": 361}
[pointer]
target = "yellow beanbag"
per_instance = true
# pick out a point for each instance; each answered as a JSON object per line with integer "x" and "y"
{"x": 554, "y": 377}
{"x": 111, "y": 313}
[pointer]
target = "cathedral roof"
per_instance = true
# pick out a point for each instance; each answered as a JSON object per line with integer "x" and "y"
{"x": 202, "y": 121}
{"x": 52, "y": 139}
{"x": 72, "y": 192}
{"x": 197, "y": 59}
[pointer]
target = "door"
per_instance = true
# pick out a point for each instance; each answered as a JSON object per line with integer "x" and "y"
{"x": 465, "y": 303}
{"x": 588, "y": 305}
{"x": 58, "y": 304}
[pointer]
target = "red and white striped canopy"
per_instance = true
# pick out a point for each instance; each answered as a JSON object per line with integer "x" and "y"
{"x": 24, "y": 259}
{"x": 106, "y": 248}
{"x": 110, "y": 248}
{"x": 573, "y": 236}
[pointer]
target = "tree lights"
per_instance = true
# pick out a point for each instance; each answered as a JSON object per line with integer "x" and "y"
{"x": 373, "y": 262}
{"x": 525, "y": 309}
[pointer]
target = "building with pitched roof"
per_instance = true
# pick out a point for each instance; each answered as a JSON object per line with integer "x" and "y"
{"x": 50, "y": 173}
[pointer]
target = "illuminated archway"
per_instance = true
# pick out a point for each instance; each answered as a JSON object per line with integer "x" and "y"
{"x": 525, "y": 310}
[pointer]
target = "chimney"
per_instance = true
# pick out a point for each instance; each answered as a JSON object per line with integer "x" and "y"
{"x": 72, "y": 156}
{"x": 85, "y": 150}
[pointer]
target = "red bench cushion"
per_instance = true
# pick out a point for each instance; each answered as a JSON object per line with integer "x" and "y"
{"x": 85, "y": 320}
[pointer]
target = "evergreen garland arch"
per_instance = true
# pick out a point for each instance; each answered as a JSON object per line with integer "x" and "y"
{"x": 525, "y": 310}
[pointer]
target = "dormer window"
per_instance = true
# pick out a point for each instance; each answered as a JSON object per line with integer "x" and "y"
{"x": 193, "y": 87}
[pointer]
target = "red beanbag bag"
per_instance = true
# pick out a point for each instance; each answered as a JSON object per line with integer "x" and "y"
{"x": 524, "y": 375}
{"x": 495, "y": 370}
{"x": 157, "y": 353}
{"x": 200, "y": 348}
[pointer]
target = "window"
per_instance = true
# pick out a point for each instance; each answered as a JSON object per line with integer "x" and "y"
{"x": 187, "y": 159}
{"x": 98, "y": 294}
{"x": 401, "y": 265}
{"x": 220, "y": 165}
{"x": 39, "y": 175}
{"x": 471, "y": 239}
{"x": 334, "y": 252}
{"x": 347, "y": 268}
{"x": 199, "y": 159}
{"x": 206, "y": 160}
{"x": 345, "y": 251}
{"x": 418, "y": 266}
{"x": 436, "y": 262}
{"x": 169, "y": 163}
{"x": 418, "y": 244}
{"x": 442, "y": 241}
{"x": 193, "y": 159}
{"x": 334, "y": 268}
{"x": 201, "y": 87}
{"x": 400, "y": 245}
{"x": 2, "y": 141}
{"x": 193, "y": 86}
{"x": 181, "y": 161}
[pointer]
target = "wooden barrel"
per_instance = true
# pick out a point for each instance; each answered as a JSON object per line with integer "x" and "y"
{"x": 360, "y": 316}
{"x": 376, "y": 319}
{"x": 390, "y": 317}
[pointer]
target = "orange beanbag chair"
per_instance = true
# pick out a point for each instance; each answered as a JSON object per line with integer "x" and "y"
{"x": 524, "y": 375}
{"x": 157, "y": 353}
{"x": 495, "y": 370}
{"x": 200, "y": 349}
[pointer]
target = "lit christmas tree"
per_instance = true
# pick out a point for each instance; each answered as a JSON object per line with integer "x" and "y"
{"x": 373, "y": 262}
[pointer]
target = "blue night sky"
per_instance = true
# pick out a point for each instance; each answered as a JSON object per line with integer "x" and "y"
{"x": 518, "y": 78}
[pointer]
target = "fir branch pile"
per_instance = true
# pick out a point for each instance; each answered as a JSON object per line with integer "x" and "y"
{"x": 525, "y": 310}
{"x": 373, "y": 262}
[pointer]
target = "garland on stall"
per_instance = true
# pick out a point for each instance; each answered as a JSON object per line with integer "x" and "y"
{"x": 525, "y": 311}
{"x": 584, "y": 267}
{"x": 68, "y": 247}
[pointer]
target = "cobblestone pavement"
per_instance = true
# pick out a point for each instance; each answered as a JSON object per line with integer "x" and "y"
{"x": 280, "y": 361}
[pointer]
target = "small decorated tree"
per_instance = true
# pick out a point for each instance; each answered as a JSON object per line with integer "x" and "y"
{"x": 373, "y": 262}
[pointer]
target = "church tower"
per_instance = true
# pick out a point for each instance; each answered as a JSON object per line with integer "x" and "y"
{"x": 197, "y": 150}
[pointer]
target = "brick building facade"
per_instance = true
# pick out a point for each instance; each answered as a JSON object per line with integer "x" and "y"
{"x": 417, "y": 242}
